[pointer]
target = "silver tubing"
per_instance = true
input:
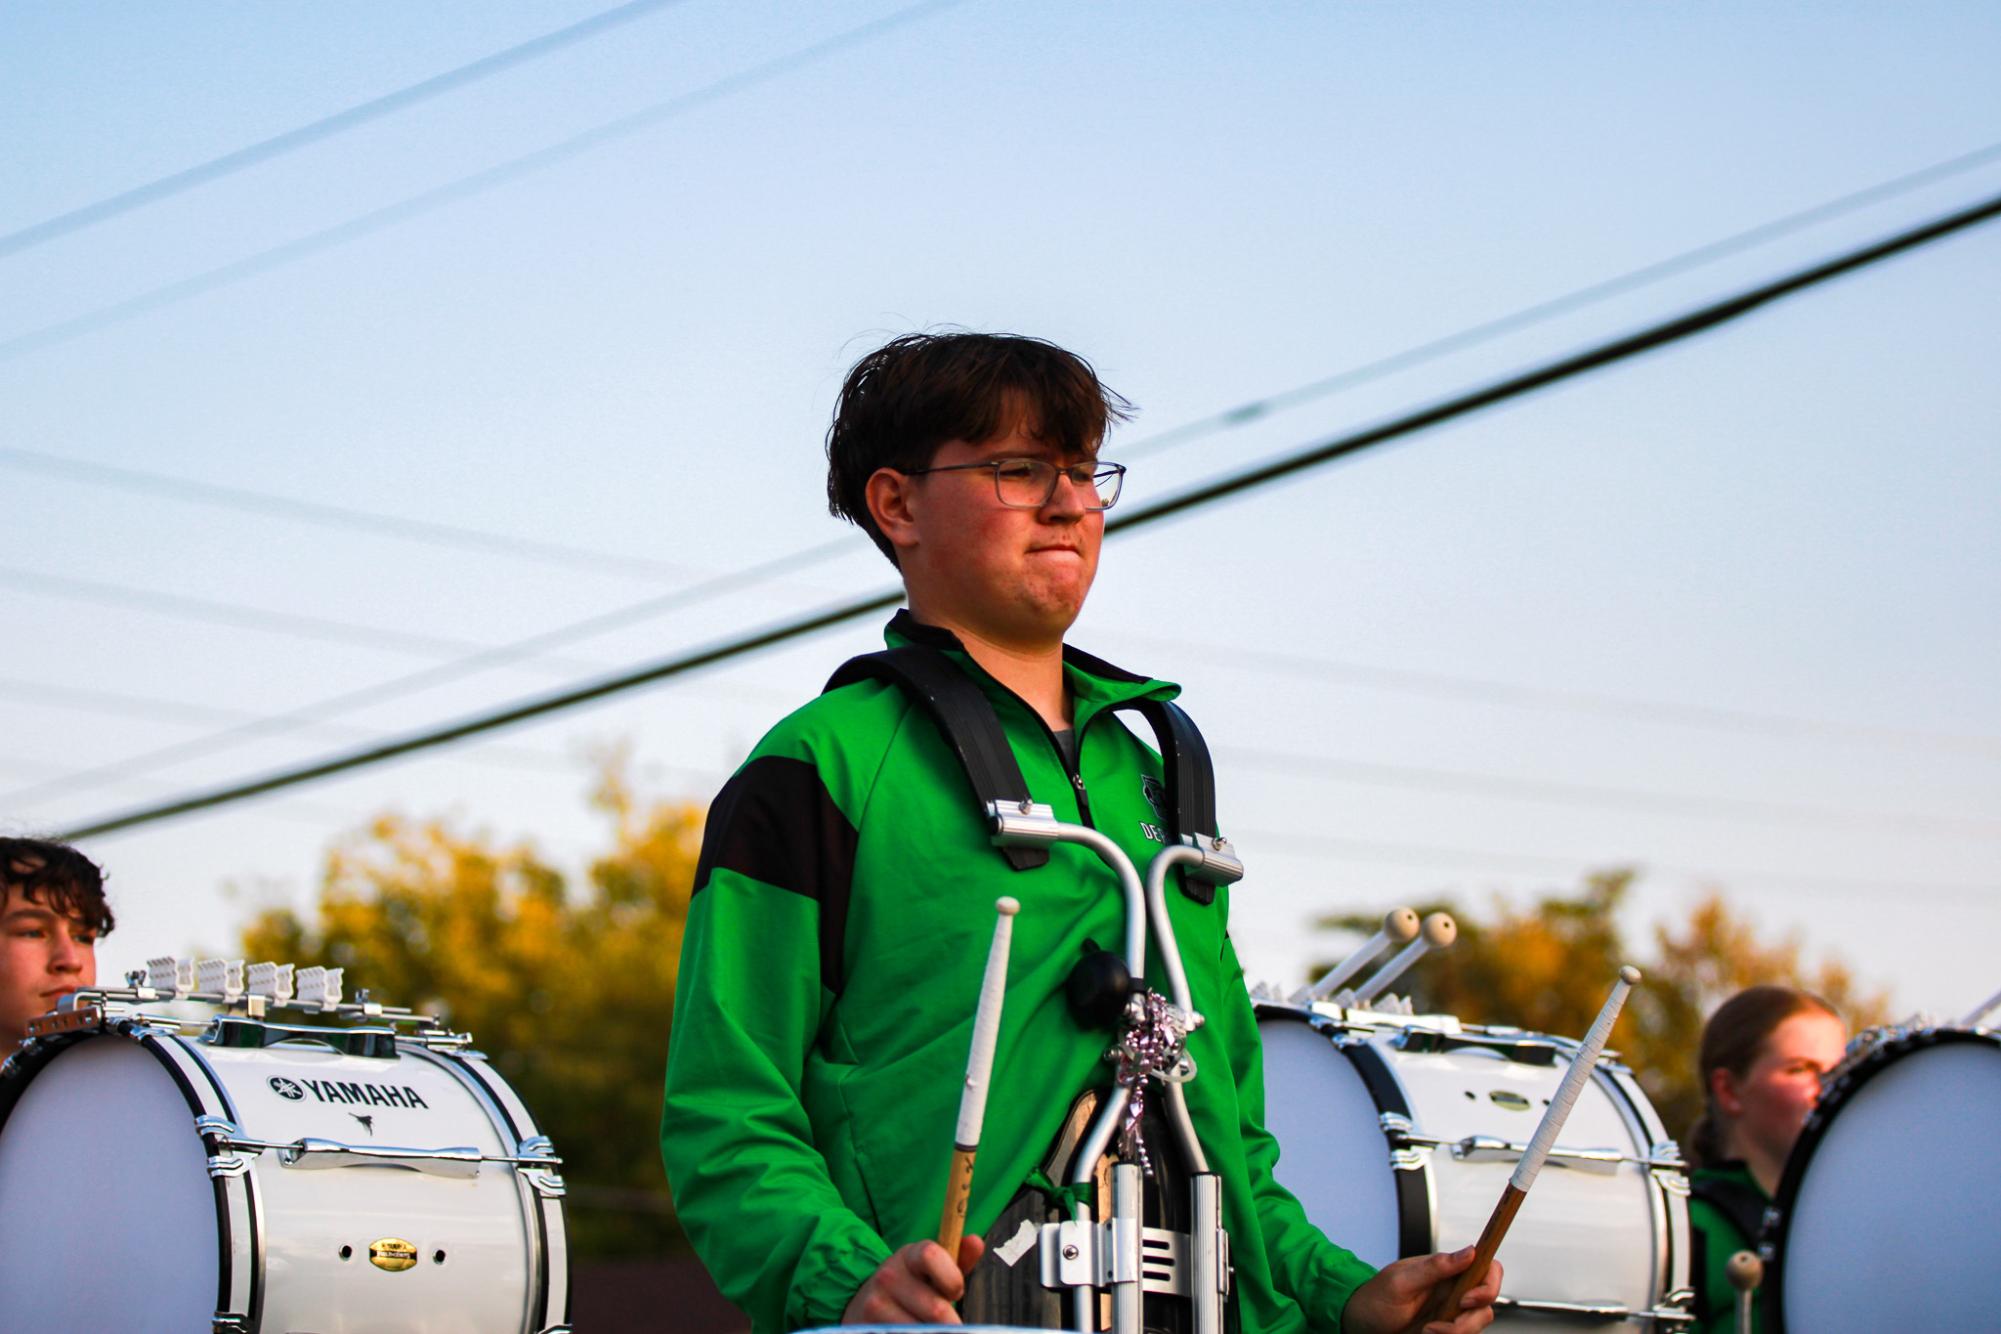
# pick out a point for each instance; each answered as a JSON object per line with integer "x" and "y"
{"x": 1163, "y": 929}
{"x": 1084, "y": 1300}
{"x": 1184, "y": 1127}
{"x": 1205, "y": 1277}
{"x": 1128, "y": 1294}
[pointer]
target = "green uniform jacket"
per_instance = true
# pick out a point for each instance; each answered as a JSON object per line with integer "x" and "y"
{"x": 1717, "y": 1238}
{"x": 835, "y": 943}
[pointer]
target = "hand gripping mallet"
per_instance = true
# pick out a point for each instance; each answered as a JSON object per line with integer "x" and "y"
{"x": 979, "y": 1069}
{"x": 1445, "y": 1302}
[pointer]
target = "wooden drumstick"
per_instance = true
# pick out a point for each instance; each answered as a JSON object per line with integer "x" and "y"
{"x": 979, "y": 1069}
{"x": 1445, "y": 1301}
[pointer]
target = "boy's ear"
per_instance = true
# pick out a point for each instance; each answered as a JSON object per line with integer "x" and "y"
{"x": 892, "y": 499}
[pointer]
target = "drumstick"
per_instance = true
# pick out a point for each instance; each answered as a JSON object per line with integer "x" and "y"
{"x": 1445, "y": 1302}
{"x": 979, "y": 1069}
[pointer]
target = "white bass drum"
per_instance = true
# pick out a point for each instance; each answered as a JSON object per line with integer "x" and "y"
{"x": 266, "y": 1178}
{"x": 1398, "y": 1133}
{"x": 1878, "y": 1218}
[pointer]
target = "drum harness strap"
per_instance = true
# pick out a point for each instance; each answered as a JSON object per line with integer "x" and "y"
{"x": 1119, "y": 1254}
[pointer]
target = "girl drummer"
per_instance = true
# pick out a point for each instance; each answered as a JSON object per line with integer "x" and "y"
{"x": 1764, "y": 1053}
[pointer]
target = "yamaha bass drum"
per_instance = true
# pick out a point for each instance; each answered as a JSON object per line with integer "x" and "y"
{"x": 360, "y": 1170}
{"x": 1397, "y": 1133}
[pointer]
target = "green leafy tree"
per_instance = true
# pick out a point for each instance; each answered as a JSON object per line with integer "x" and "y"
{"x": 568, "y": 988}
{"x": 1548, "y": 965}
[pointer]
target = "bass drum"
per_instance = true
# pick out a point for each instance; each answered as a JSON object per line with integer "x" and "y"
{"x": 1398, "y": 1136}
{"x": 154, "y": 1183}
{"x": 1876, "y": 1225}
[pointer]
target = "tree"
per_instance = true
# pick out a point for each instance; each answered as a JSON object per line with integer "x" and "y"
{"x": 1547, "y": 967}
{"x": 569, "y": 989}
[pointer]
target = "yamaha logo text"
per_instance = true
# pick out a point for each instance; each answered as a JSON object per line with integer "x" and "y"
{"x": 350, "y": 1092}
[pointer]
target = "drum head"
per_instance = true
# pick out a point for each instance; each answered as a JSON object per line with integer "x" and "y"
{"x": 107, "y": 1217}
{"x": 1335, "y": 1158}
{"x": 1886, "y": 1202}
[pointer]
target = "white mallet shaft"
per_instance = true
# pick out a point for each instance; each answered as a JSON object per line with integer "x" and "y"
{"x": 1981, "y": 1011}
{"x": 1399, "y": 928}
{"x": 979, "y": 1071}
{"x": 1439, "y": 932}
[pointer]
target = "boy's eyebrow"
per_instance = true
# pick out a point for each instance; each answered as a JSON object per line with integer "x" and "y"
{"x": 30, "y": 912}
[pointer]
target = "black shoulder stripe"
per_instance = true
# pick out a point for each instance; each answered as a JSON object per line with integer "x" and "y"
{"x": 775, "y": 822}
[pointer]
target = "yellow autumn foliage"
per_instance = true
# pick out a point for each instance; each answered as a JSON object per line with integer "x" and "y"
{"x": 566, "y": 983}
{"x": 1548, "y": 965}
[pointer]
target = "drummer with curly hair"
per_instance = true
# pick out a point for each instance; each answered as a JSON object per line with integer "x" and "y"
{"x": 1764, "y": 1054}
{"x": 52, "y": 914}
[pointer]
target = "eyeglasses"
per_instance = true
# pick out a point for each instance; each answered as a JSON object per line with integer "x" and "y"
{"x": 1029, "y": 484}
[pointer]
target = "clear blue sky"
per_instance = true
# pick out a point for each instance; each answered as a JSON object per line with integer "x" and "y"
{"x": 1729, "y": 613}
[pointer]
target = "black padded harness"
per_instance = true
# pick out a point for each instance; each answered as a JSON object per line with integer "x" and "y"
{"x": 966, "y": 718}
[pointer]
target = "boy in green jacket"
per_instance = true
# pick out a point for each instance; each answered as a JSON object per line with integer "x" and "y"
{"x": 844, "y": 898}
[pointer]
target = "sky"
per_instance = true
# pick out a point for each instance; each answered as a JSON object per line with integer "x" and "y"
{"x": 562, "y": 341}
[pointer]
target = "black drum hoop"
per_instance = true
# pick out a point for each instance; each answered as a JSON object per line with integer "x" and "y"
{"x": 1417, "y": 1205}
{"x": 1849, "y": 1081}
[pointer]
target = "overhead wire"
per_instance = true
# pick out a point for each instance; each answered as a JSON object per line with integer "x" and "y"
{"x": 236, "y": 615}
{"x": 465, "y": 187}
{"x": 428, "y": 678}
{"x": 1380, "y": 774}
{"x": 1443, "y": 685}
{"x": 1434, "y": 857}
{"x": 326, "y": 127}
{"x": 244, "y": 498}
{"x": 1709, "y": 316}
{"x": 431, "y": 531}
{"x": 183, "y": 713}
{"x": 192, "y": 490}
{"x": 1243, "y": 414}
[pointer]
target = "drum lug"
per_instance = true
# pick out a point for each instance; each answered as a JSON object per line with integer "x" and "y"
{"x": 1409, "y": 1159}
{"x": 546, "y": 1185}
{"x": 228, "y": 1322}
{"x": 1673, "y": 1180}
{"x": 228, "y": 1165}
{"x": 219, "y": 1128}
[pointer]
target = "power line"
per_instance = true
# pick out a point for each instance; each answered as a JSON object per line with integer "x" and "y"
{"x": 1515, "y": 787}
{"x": 375, "y": 220}
{"x": 1658, "y": 335}
{"x": 429, "y": 530}
{"x": 1440, "y": 685}
{"x": 1244, "y": 413}
{"x": 429, "y": 677}
{"x": 1430, "y": 856}
{"x": 145, "y": 482}
{"x": 178, "y": 606}
{"x": 325, "y": 128}
{"x": 183, "y": 713}
{"x": 313, "y": 511}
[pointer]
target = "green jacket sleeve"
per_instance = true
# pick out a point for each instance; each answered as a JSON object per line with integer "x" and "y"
{"x": 752, "y": 1190}
{"x": 1315, "y": 1272}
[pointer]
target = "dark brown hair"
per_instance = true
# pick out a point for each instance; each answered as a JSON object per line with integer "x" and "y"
{"x": 915, "y": 393}
{"x": 57, "y": 877}
{"x": 1732, "y": 1040}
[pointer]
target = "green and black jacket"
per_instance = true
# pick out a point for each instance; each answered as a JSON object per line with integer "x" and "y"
{"x": 1724, "y": 1214}
{"x": 842, "y": 911}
